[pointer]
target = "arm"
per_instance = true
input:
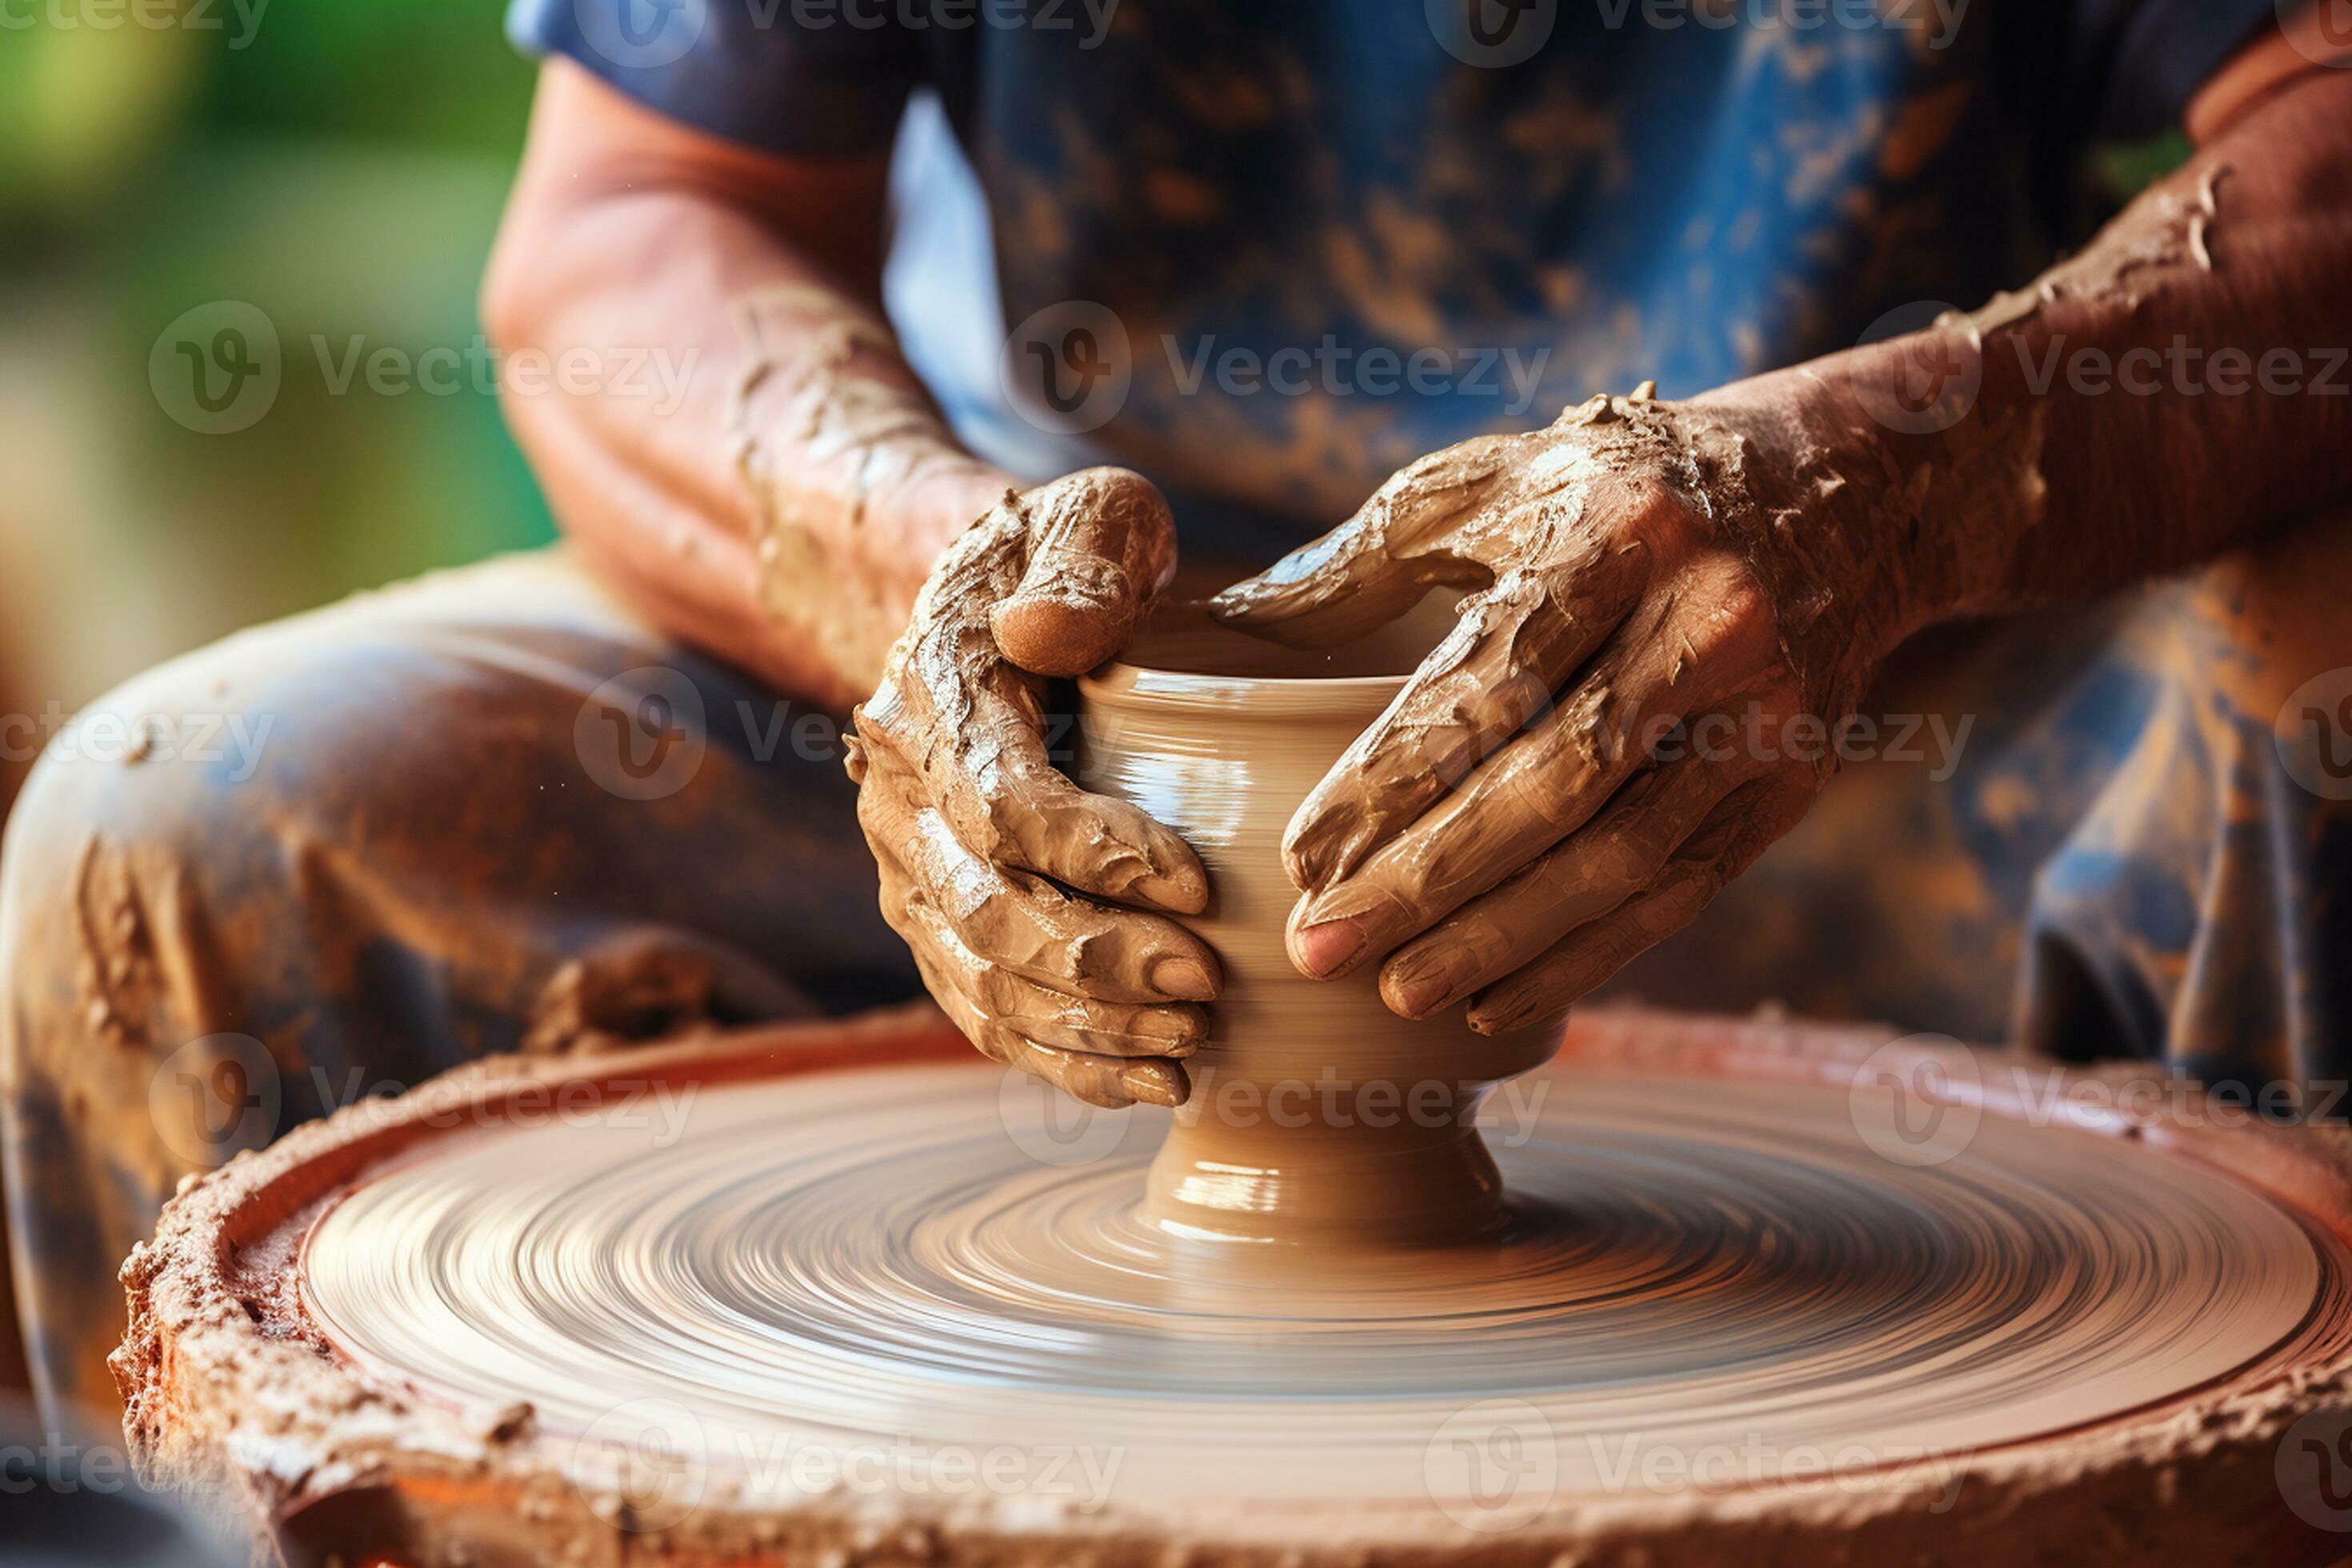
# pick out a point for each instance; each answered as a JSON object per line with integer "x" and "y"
{"x": 1564, "y": 783}
{"x": 783, "y": 513}
{"x": 2177, "y": 388}
{"x": 801, "y": 507}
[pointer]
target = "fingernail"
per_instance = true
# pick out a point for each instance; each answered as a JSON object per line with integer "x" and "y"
{"x": 1325, "y": 948}
{"x": 1418, "y": 983}
{"x": 1184, "y": 890}
{"x": 1154, "y": 1083}
{"x": 1173, "y": 974}
{"x": 1169, "y": 1028}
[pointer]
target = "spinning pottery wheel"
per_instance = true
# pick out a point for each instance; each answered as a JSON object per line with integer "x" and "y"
{"x": 1700, "y": 1291}
{"x": 856, "y": 1291}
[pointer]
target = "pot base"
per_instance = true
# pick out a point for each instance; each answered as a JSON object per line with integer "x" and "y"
{"x": 1323, "y": 1185}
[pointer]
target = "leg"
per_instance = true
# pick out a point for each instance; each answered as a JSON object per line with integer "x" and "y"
{"x": 482, "y": 812}
{"x": 2201, "y": 910}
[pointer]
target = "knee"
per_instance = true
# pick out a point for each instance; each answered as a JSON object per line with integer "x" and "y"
{"x": 107, "y": 893}
{"x": 2185, "y": 912}
{"x": 153, "y": 773}
{"x": 2260, "y": 624}
{"x": 162, "y": 815}
{"x": 109, "y": 1005}
{"x": 2243, "y": 681}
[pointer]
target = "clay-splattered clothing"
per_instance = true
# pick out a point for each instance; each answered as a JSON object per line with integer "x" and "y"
{"x": 1315, "y": 242}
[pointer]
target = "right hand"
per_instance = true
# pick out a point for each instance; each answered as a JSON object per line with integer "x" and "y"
{"x": 969, "y": 818}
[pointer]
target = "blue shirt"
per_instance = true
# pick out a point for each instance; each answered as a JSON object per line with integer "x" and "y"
{"x": 1268, "y": 251}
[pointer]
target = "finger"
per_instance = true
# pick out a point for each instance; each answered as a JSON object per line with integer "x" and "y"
{"x": 1674, "y": 653}
{"x": 1380, "y": 563}
{"x": 1026, "y": 924}
{"x": 1101, "y": 544}
{"x": 1004, "y": 798}
{"x": 979, "y": 756}
{"x": 994, "y": 1003}
{"x": 1106, "y": 1081}
{"x": 1513, "y": 646}
{"x": 1057, "y": 1017}
{"x": 1582, "y": 877}
{"x": 1739, "y": 829}
{"x": 1100, "y": 1080}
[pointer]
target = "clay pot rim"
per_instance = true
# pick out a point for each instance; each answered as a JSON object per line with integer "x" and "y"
{"x": 225, "y": 1381}
{"x": 1120, "y": 682}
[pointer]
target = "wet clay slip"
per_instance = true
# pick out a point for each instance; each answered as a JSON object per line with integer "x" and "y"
{"x": 1318, "y": 1116}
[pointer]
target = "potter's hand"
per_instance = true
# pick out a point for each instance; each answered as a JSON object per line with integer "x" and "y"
{"x": 969, "y": 818}
{"x": 1526, "y": 816}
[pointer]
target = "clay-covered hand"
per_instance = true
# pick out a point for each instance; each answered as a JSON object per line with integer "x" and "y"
{"x": 1571, "y": 775}
{"x": 982, "y": 840}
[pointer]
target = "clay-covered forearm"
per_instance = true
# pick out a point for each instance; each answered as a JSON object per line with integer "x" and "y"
{"x": 773, "y": 485}
{"x": 2178, "y": 386}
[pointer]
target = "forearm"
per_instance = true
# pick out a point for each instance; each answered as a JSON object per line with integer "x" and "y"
{"x": 778, "y": 497}
{"x": 2178, "y": 386}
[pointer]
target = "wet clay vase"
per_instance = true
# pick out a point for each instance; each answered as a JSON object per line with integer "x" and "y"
{"x": 1317, "y": 1114}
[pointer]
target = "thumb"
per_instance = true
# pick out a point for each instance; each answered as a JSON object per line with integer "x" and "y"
{"x": 1343, "y": 586}
{"x": 1379, "y": 564}
{"x": 1102, "y": 543}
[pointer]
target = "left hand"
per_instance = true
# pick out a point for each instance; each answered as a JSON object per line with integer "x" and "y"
{"x": 1574, "y": 772}
{"x": 1015, "y": 889}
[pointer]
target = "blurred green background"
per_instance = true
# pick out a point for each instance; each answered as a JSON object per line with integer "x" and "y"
{"x": 339, "y": 164}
